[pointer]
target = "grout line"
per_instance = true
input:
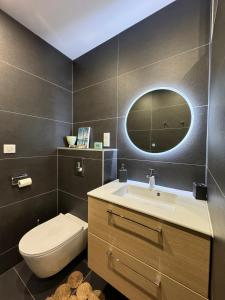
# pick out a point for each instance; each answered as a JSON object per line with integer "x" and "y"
{"x": 123, "y": 116}
{"x": 57, "y": 183}
{"x": 27, "y": 157}
{"x": 32, "y": 116}
{"x": 8, "y": 250}
{"x": 73, "y": 195}
{"x": 209, "y": 88}
{"x": 72, "y": 100}
{"x": 41, "y": 78}
{"x": 23, "y": 200}
{"x": 117, "y": 90}
{"x": 87, "y": 274}
{"x": 208, "y": 113}
{"x": 103, "y": 167}
{"x": 164, "y": 59}
{"x": 156, "y": 129}
{"x": 214, "y": 8}
{"x": 112, "y": 118}
{"x": 197, "y": 106}
{"x": 81, "y": 157}
{"x": 143, "y": 67}
{"x": 161, "y": 108}
{"x": 222, "y": 193}
{"x": 161, "y": 162}
{"x": 23, "y": 283}
{"x": 93, "y": 84}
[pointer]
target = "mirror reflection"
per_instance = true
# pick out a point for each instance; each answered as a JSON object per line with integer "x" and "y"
{"x": 158, "y": 121}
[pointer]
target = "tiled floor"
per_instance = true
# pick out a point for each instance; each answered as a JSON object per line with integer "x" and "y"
{"x": 21, "y": 284}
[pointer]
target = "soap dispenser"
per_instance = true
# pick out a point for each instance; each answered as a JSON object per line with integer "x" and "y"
{"x": 122, "y": 173}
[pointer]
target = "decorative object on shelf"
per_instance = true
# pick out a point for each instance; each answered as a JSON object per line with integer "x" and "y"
{"x": 97, "y": 145}
{"x": 71, "y": 140}
{"x": 83, "y": 138}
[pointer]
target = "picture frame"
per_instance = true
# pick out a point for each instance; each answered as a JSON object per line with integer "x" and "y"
{"x": 83, "y": 137}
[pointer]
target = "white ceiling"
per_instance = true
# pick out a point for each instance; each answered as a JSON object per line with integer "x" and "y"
{"x": 76, "y": 26}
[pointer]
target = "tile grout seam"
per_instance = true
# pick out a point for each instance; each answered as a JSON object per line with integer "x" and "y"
{"x": 8, "y": 250}
{"x": 57, "y": 184}
{"x": 26, "y": 199}
{"x": 33, "y": 116}
{"x": 73, "y": 195}
{"x": 209, "y": 87}
{"x": 217, "y": 184}
{"x": 23, "y": 283}
{"x": 161, "y": 162}
{"x": 72, "y": 98}
{"x": 123, "y": 116}
{"x": 117, "y": 91}
{"x": 34, "y": 75}
{"x": 142, "y": 67}
{"x": 26, "y": 157}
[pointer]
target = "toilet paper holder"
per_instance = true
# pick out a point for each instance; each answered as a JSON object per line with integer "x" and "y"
{"x": 15, "y": 179}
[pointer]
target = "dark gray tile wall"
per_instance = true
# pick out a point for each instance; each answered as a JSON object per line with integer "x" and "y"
{"x": 35, "y": 114}
{"x": 98, "y": 167}
{"x": 78, "y": 185}
{"x": 96, "y": 66}
{"x": 20, "y": 48}
{"x": 17, "y": 290}
{"x": 216, "y": 156}
{"x": 180, "y": 26}
{"x": 167, "y": 49}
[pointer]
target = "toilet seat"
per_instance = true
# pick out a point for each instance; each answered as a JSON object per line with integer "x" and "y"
{"x": 50, "y": 235}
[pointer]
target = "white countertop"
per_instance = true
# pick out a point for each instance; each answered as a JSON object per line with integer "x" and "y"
{"x": 185, "y": 210}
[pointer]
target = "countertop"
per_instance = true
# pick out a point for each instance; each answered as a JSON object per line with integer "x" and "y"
{"x": 185, "y": 211}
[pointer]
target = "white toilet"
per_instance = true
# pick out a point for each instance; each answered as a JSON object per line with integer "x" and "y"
{"x": 50, "y": 246}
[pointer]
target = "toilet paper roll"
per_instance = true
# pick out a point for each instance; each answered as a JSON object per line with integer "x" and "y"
{"x": 24, "y": 182}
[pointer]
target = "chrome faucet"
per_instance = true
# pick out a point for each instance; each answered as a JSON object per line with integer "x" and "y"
{"x": 151, "y": 178}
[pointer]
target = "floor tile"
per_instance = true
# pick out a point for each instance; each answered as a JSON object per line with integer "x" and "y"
{"x": 99, "y": 284}
{"x": 41, "y": 288}
{"x": 11, "y": 287}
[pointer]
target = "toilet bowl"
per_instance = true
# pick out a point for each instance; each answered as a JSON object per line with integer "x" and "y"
{"x": 50, "y": 246}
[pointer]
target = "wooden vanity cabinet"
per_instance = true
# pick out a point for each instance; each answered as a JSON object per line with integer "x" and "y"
{"x": 144, "y": 257}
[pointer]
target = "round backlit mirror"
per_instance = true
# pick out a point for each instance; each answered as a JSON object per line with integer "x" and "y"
{"x": 158, "y": 121}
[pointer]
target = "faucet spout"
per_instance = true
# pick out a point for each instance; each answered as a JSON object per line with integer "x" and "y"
{"x": 151, "y": 178}
{"x": 151, "y": 182}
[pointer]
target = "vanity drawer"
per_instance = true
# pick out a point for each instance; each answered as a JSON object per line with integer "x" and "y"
{"x": 174, "y": 251}
{"x": 131, "y": 277}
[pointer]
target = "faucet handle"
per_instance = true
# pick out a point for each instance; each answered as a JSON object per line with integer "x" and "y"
{"x": 152, "y": 172}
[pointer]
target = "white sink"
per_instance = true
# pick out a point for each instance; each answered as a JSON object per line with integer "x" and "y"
{"x": 168, "y": 204}
{"x": 144, "y": 194}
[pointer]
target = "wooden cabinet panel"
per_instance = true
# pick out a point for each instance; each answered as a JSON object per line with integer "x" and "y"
{"x": 133, "y": 278}
{"x": 174, "y": 251}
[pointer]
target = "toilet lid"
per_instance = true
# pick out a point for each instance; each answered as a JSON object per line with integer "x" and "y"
{"x": 49, "y": 235}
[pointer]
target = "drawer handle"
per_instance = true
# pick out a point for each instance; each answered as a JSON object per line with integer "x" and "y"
{"x": 156, "y": 282}
{"x": 159, "y": 230}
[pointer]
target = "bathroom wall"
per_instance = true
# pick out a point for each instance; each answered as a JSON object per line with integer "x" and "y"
{"x": 35, "y": 114}
{"x": 168, "y": 49}
{"x": 216, "y": 154}
{"x": 99, "y": 168}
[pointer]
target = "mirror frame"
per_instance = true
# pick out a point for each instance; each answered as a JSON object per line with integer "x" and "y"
{"x": 181, "y": 142}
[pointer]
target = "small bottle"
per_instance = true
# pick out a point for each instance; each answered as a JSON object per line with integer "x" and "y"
{"x": 122, "y": 174}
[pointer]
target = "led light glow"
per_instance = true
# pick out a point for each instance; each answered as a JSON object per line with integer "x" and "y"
{"x": 185, "y": 139}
